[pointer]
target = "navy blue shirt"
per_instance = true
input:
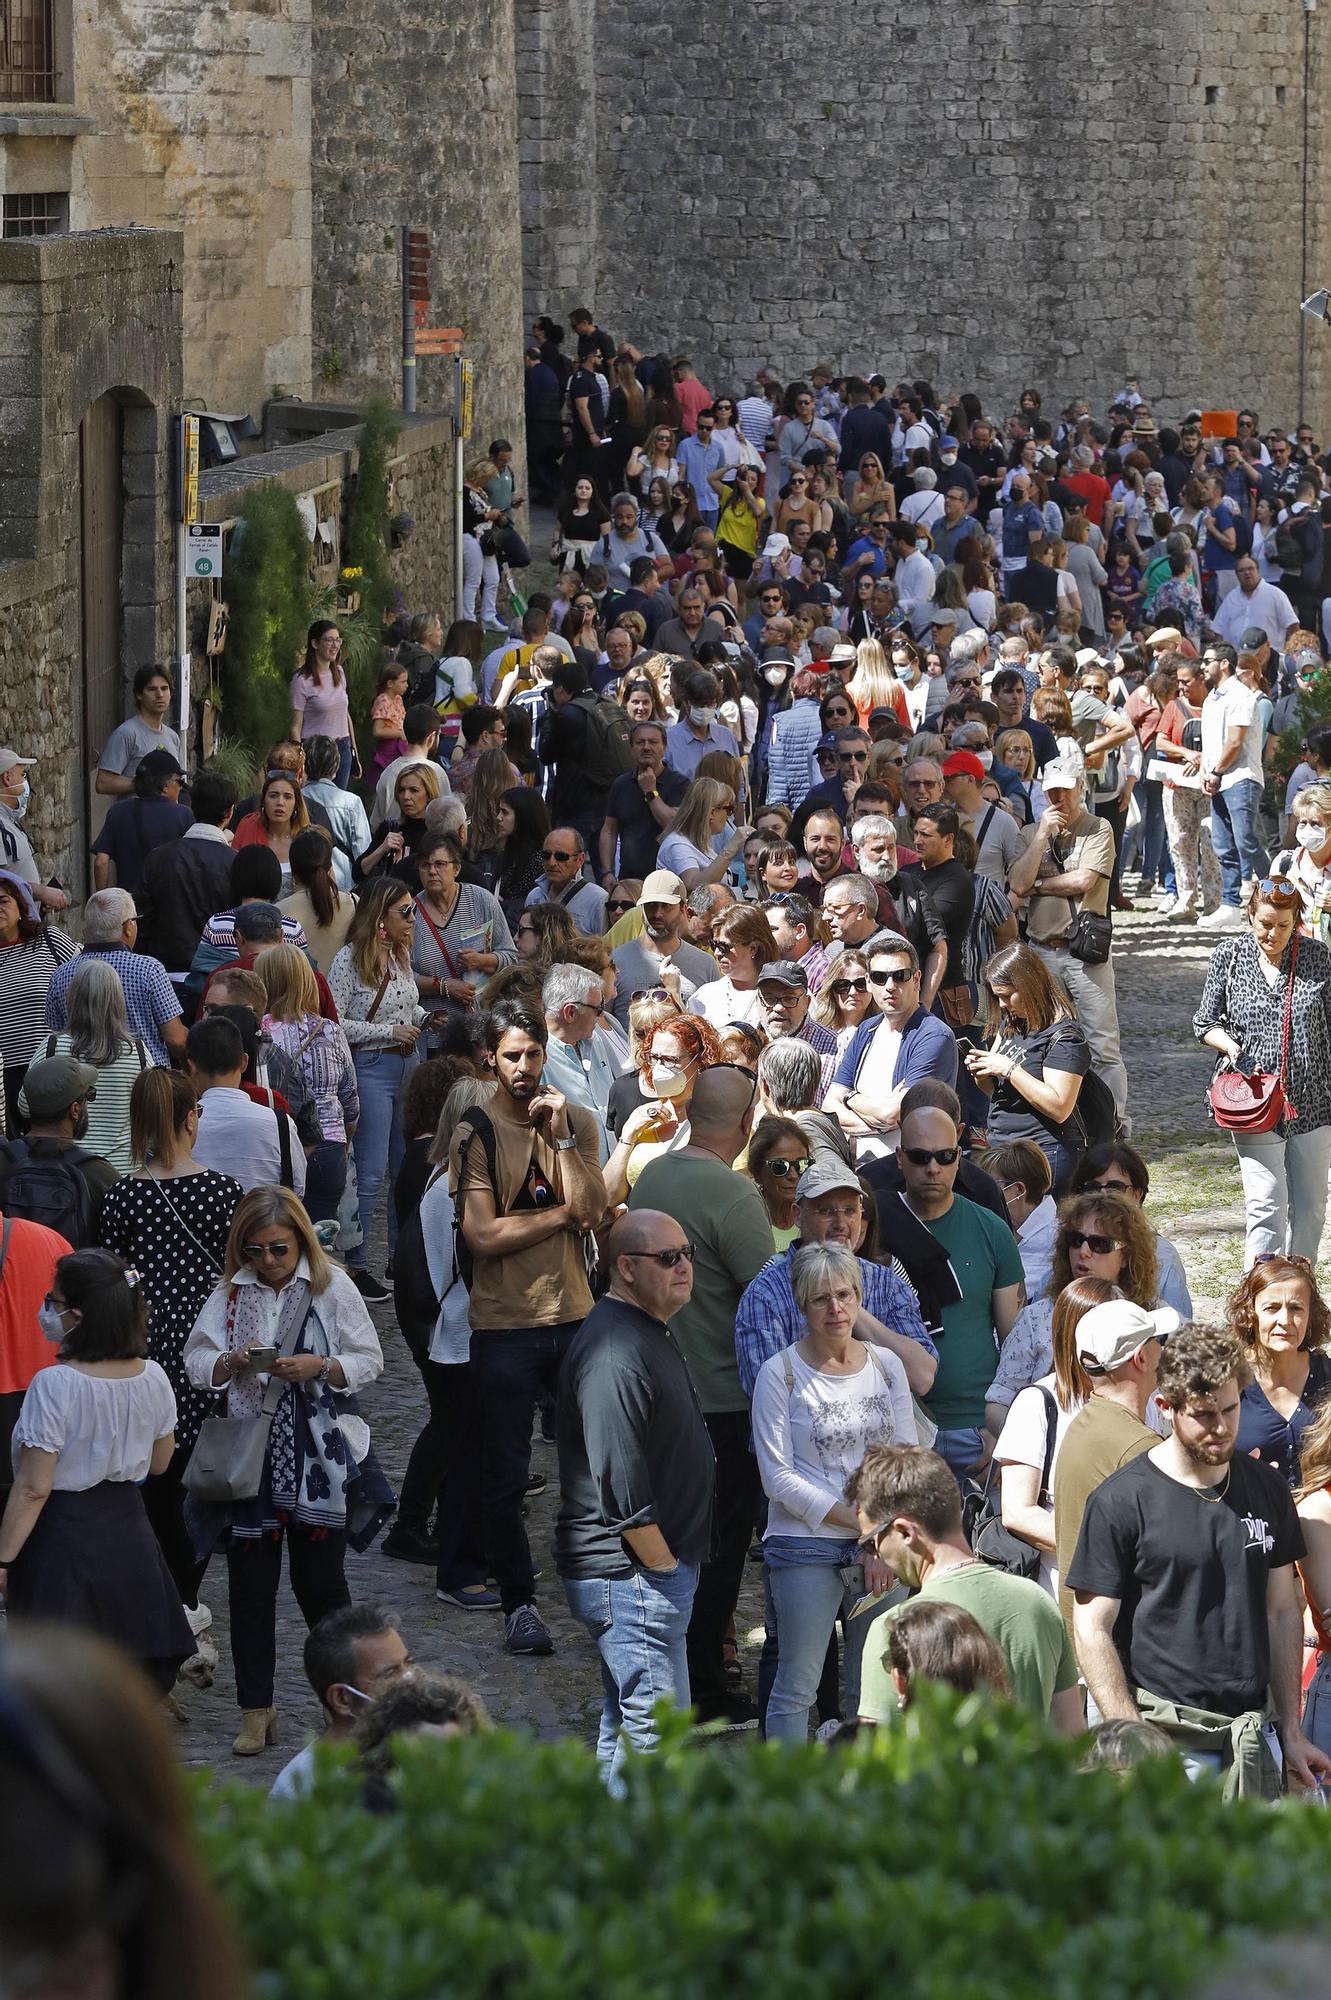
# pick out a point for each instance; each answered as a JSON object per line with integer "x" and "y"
{"x": 1279, "y": 1440}
{"x": 133, "y": 828}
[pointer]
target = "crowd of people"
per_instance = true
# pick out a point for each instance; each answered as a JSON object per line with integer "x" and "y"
{"x": 708, "y": 988}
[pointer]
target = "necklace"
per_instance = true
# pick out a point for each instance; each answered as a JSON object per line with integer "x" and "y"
{"x": 1216, "y": 1494}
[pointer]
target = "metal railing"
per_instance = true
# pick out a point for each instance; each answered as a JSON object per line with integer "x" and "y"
{"x": 28, "y": 73}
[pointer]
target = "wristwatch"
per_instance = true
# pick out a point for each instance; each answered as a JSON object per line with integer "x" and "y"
{"x": 565, "y": 1145}
{"x": 649, "y": 796}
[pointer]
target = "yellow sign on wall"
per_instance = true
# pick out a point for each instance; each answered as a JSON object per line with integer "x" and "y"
{"x": 466, "y": 390}
{"x": 189, "y": 482}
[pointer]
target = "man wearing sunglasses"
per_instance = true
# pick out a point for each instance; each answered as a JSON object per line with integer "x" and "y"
{"x": 563, "y": 858}
{"x": 889, "y": 1052}
{"x": 578, "y": 1062}
{"x": 836, "y": 794}
{"x": 636, "y": 1480}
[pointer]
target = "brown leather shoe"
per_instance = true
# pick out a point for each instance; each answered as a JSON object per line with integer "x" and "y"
{"x": 258, "y": 1730}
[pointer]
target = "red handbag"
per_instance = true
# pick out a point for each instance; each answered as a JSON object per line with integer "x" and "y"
{"x": 1256, "y": 1103}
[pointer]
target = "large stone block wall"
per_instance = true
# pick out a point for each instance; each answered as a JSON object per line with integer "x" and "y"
{"x": 201, "y": 122}
{"x": 1023, "y": 191}
{"x": 434, "y": 149}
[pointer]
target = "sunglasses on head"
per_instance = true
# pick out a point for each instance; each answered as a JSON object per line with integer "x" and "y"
{"x": 920, "y": 1156}
{"x": 1278, "y": 889}
{"x": 667, "y": 1259}
{"x": 897, "y": 975}
{"x": 841, "y": 987}
{"x": 657, "y": 993}
{"x": 1099, "y": 1246}
{"x": 783, "y": 1169}
{"x": 1283, "y": 1257}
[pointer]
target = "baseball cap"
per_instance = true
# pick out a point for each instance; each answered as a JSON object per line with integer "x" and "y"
{"x": 161, "y": 764}
{"x": 784, "y": 972}
{"x": 9, "y": 758}
{"x": 964, "y": 764}
{"x": 662, "y": 887}
{"x": 827, "y": 741}
{"x": 1058, "y": 777}
{"x": 944, "y": 615}
{"x": 1254, "y": 638}
{"x": 947, "y": 442}
{"x": 51, "y": 1086}
{"x": 823, "y": 1176}
{"x": 1111, "y": 1334}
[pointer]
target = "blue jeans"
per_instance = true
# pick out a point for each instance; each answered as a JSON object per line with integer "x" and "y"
{"x": 343, "y": 762}
{"x": 325, "y": 1178}
{"x": 381, "y": 1078}
{"x": 639, "y": 1624}
{"x": 959, "y": 1449}
{"x": 1237, "y": 839}
{"x": 510, "y": 1371}
{"x": 808, "y": 1597}
{"x": 1317, "y": 1705}
{"x": 1157, "y": 863}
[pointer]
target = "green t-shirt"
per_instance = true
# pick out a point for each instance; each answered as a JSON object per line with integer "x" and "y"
{"x": 1021, "y": 1619}
{"x": 984, "y": 1255}
{"x": 725, "y": 1218}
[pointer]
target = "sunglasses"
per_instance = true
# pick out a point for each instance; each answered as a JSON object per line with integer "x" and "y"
{"x": 1113, "y": 1187}
{"x": 667, "y": 1259}
{"x": 1099, "y": 1246}
{"x": 1263, "y": 1257}
{"x": 621, "y": 905}
{"x": 920, "y": 1156}
{"x": 558, "y": 854}
{"x": 656, "y": 993}
{"x": 1277, "y": 889}
{"x": 783, "y": 1169}
{"x": 852, "y": 757}
{"x": 841, "y": 987}
{"x": 406, "y": 911}
{"x": 899, "y": 975}
{"x": 256, "y": 1250}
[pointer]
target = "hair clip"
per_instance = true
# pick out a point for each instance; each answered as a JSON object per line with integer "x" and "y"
{"x": 131, "y": 1278}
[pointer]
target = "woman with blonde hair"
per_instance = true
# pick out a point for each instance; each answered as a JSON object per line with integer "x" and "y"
{"x": 652, "y": 460}
{"x": 1014, "y": 748}
{"x": 278, "y": 1291}
{"x": 320, "y": 907}
{"x": 845, "y": 999}
{"x": 320, "y": 1055}
{"x": 378, "y": 1005}
{"x": 1308, "y": 863}
{"x": 98, "y": 1034}
{"x": 874, "y": 685}
{"x": 414, "y": 791}
{"x": 687, "y": 849}
{"x": 873, "y": 488}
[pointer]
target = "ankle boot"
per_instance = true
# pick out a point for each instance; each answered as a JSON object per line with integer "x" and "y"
{"x": 258, "y": 1729}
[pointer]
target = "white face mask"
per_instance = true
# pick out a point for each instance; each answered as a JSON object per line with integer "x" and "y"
{"x": 702, "y": 718}
{"x": 986, "y": 757}
{"x": 948, "y": 457}
{"x": 774, "y": 676}
{"x": 1310, "y": 833}
{"x": 52, "y": 1323}
{"x": 667, "y": 1081}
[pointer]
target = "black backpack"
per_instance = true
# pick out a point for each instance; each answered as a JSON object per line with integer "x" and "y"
{"x": 48, "y": 1189}
{"x": 1291, "y": 549}
{"x": 1096, "y": 1112}
{"x": 609, "y": 752}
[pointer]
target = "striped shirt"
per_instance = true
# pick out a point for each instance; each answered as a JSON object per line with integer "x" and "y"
{"x": 26, "y": 971}
{"x": 108, "y": 1113}
{"x": 150, "y": 998}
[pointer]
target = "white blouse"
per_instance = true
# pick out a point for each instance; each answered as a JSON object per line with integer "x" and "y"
{"x": 400, "y": 1006}
{"x": 101, "y": 1427}
{"x": 338, "y": 1325}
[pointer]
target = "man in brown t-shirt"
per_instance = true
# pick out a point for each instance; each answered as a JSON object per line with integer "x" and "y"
{"x": 1118, "y": 1346}
{"x": 529, "y": 1187}
{"x": 1066, "y": 868}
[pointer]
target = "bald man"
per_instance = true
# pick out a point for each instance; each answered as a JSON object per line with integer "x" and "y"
{"x": 636, "y": 1478}
{"x": 722, "y": 1214}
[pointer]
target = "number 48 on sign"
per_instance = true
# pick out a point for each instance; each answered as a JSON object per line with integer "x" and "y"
{"x": 203, "y": 551}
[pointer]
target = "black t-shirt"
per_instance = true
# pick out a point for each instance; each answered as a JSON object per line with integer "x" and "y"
{"x": 1039, "y": 588}
{"x": 1191, "y": 1577}
{"x": 584, "y": 383}
{"x": 639, "y": 834}
{"x": 1062, "y": 1046}
{"x": 951, "y": 889}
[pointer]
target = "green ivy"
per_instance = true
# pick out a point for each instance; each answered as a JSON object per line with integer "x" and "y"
{"x": 960, "y": 1855}
{"x": 366, "y": 547}
{"x": 268, "y": 591}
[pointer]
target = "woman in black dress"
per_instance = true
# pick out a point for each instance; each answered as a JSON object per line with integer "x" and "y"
{"x": 170, "y": 1219}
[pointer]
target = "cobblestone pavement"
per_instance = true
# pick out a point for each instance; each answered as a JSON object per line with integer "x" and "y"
{"x": 1196, "y": 1199}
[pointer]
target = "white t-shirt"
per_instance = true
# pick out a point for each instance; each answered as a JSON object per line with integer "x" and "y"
{"x": 809, "y": 1437}
{"x": 1231, "y": 706}
{"x": 720, "y": 1003}
{"x": 1024, "y": 1439}
{"x": 677, "y": 854}
{"x": 875, "y": 1080}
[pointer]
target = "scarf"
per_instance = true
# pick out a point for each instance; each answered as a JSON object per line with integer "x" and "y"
{"x": 309, "y": 1464}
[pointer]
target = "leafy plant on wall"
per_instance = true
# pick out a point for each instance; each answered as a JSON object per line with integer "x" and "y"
{"x": 365, "y": 547}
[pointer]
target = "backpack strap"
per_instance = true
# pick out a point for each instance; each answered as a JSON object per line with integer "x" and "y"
{"x": 1051, "y": 1438}
{"x": 50, "y": 1046}
{"x": 789, "y": 1371}
{"x": 287, "y": 1176}
{"x": 145, "y": 1061}
{"x": 4, "y": 1245}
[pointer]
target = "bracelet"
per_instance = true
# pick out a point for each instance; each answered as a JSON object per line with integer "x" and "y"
{"x": 323, "y": 1374}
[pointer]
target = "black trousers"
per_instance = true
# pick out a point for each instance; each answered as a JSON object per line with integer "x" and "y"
{"x": 718, "y": 1584}
{"x": 254, "y": 1571}
{"x": 163, "y": 1500}
{"x": 510, "y": 1372}
{"x": 444, "y": 1473}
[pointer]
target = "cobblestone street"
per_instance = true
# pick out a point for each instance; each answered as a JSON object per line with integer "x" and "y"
{"x": 1195, "y": 1200}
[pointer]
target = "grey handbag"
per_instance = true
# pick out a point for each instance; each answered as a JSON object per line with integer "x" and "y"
{"x": 227, "y": 1462}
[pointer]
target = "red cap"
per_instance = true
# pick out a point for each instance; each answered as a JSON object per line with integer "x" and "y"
{"x": 965, "y": 764}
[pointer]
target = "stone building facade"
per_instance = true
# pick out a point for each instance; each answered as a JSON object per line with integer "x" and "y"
{"x": 985, "y": 195}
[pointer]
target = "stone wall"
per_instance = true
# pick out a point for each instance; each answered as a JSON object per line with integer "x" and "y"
{"x": 200, "y": 121}
{"x": 1024, "y": 191}
{"x": 441, "y": 156}
{"x": 80, "y": 317}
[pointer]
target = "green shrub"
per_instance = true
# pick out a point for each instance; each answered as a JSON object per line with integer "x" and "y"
{"x": 268, "y": 591}
{"x": 959, "y": 1856}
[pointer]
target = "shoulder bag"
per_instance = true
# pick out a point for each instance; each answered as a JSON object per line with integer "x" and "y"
{"x": 227, "y": 1462}
{"x": 1256, "y": 1103}
{"x": 983, "y": 1512}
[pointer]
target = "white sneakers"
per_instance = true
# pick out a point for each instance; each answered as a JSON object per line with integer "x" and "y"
{"x": 1227, "y": 918}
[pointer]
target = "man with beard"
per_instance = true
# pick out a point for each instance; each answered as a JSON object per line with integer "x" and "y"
{"x": 912, "y": 912}
{"x": 57, "y": 1093}
{"x": 1187, "y": 1609}
{"x": 662, "y": 943}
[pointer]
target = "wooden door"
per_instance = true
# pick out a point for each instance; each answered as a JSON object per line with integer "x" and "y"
{"x": 101, "y": 495}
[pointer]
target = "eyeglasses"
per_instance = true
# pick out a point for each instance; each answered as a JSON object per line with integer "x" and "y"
{"x": 1113, "y": 1187}
{"x": 559, "y": 854}
{"x": 1099, "y": 1246}
{"x": 1262, "y": 1257}
{"x": 254, "y": 1251}
{"x": 920, "y": 1156}
{"x": 1278, "y": 889}
{"x": 667, "y": 1259}
{"x": 783, "y": 1169}
{"x": 841, "y": 987}
{"x": 897, "y": 975}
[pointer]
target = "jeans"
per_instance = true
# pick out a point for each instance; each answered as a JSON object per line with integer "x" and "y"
{"x": 959, "y": 1449}
{"x": 1188, "y": 822}
{"x": 381, "y": 1078}
{"x": 639, "y": 1624}
{"x": 719, "y": 1581}
{"x": 479, "y": 569}
{"x": 1284, "y": 1191}
{"x": 343, "y": 762}
{"x": 325, "y": 1178}
{"x": 254, "y": 1571}
{"x": 1092, "y": 992}
{"x": 1237, "y": 837}
{"x": 1156, "y": 864}
{"x": 1317, "y": 1705}
{"x": 808, "y": 1598}
{"x": 510, "y": 1371}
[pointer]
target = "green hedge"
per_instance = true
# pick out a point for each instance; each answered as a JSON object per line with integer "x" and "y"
{"x": 960, "y": 1856}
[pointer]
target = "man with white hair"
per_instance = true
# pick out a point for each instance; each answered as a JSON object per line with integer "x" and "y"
{"x": 579, "y": 1062}
{"x": 628, "y": 539}
{"x": 110, "y": 926}
{"x": 1065, "y": 873}
{"x": 967, "y": 655}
